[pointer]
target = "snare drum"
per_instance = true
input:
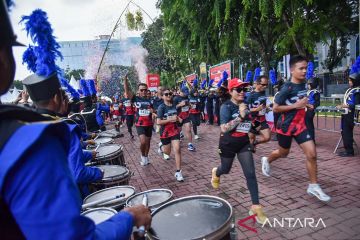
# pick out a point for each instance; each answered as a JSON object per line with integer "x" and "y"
{"x": 357, "y": 114}
{"x": 116, "y": 204}
{"x": 99, "y": 215}
{"x": 103, "y": 140}
{"x": 110, "y": 133}
{"x": 114, "y": 175}
{"x": 193, "y": 217}
{"x": 109, "y": 154}
{"x": 156, "y": 198}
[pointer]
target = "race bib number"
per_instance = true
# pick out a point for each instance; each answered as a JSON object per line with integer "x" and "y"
{"x": 243, "y": 127}
{"x": 193, "y": 106}
{"x": 116, "y": 108}
{"x": 185, "y": 109}
{"x": 144, "y": 112}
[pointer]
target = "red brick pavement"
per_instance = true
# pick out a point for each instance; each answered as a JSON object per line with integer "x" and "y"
{"x": 282, "y": 195}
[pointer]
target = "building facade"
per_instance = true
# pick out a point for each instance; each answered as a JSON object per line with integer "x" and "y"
{"x": 79, "y": 54}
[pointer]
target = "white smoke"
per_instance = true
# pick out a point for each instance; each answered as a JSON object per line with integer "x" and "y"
{"x": 92, "y": 64}
{"x": 137, "y": 55}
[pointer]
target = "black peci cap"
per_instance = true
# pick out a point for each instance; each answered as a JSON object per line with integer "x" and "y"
{"x": 41, "y": 87}
{"x": 7, "y": 36}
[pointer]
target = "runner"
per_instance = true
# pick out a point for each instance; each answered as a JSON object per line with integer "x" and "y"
{"x": 291, "y": 103}
{"x": 195, "y": 118}
{"x": 257, "y": 104}
{"x": 169, "y": 131}
{"x": 129, "y": 114}
{"x": 183, "y": 107}
{"x": 143, "y": 119}
{"x": 234, "y": 141}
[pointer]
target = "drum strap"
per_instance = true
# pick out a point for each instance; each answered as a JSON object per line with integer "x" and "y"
{"x": 349, "y": 92}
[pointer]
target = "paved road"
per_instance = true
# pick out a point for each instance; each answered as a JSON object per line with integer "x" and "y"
{"x": 283, "y": 195}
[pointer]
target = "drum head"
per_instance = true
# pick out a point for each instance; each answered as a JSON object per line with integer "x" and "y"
{"x": 156, "y": 197}
{"x": 113, "y": 172}
{"x": 103, "y": 140}
{"x": 107, "y": 150}
{"x": 109, "y": 192}
{"x": 194, "y": 217}
{"x": 99, "y": 215}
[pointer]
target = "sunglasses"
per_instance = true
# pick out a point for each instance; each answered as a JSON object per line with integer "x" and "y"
{"x": 264, "y": 85}
{"x": 240, "y": 89}
{"x": 143, "y": 90}
{"x": 168, "y": 94}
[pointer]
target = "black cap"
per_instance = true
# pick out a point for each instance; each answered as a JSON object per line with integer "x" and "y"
{"x": 7, "y": 36}
{"x": 42, "y": 88}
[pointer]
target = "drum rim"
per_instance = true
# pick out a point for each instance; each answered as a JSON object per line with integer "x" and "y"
{"x": 111, "y": 139}
{"x": 110, "y": 155}
{"x": 228, "y": 220}
{"x": 119, "y": 177}
{"x": 151, "y": 190}
{"x": 110, "y": 188}
{"x": 99, "y": 208}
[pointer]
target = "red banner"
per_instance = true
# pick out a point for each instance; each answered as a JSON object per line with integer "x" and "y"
{"x": 217, "y": 70}
{"x": 153, "y": 81}
{"x": 190, "y": 78}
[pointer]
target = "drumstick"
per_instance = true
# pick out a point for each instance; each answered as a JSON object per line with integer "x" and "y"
{"x": 96, "y": 137}
{"x": 141, "y": 230}
{"x": 93, "y": 204}
{"x": 97, "y": 147}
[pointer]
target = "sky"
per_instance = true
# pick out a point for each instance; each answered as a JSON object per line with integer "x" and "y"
{"x": 76, "y": 20}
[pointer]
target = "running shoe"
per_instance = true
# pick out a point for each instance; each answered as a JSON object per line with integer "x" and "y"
{"x": 191, "y": 147}
{"x": 144, "y": 161}
{"x": 265, "y": 166}
{"x": 166, "y": 157}
{"x": 179, "y": 177}
{"x": 315, "y": 190}
{"x": 197, "y": 137}
{"x": 260, "y": 215}
{"x": 181, "y": 135}
{"x": 215, "y": 180}
{"x": 159, "y": 149}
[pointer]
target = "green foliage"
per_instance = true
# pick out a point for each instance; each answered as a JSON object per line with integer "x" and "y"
{"x": 18, "y": 84}
{"x": 130, "y": 21}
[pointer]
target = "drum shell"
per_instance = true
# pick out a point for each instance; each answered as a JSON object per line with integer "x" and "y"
{"x": 119, "y": 205}
{"x": 219, "y": 234}
{"x": 114, "y": 158}
{"x": 118, "y": 181}
{"x": 110, "y": 212}
{"x": 154, "y": 206}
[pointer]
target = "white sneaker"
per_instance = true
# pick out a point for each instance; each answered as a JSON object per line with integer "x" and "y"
{"x": 166, "y": 157}
{"x": 144, "y": 161}
{"x": 196, "y": 137}
{"x": 315, "y": 190}
{"x": 159, "y": 149}
{"x": 265, "y": 166}
{"x": 179, "y": 177}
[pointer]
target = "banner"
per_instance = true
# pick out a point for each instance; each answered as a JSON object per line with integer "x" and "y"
{"x": 190, "y": 78}
{"x": 203, "y": 71}
{"x": 217, "y": 70}
{"x": 153, "y": 81}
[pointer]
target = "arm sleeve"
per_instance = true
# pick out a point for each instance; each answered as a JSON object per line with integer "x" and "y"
{"x": 160, "y": 112}
{"x": 316, "y": 100}
{"x": 103, "y": 108}
{"x": 46, "y": 203}
{"x": 81, "y": 173}
{"x": 99, "y": 118}
{"x": 281, "y": 97}
{"x": 225, "y": 115}
{"x": 87, "y": 156}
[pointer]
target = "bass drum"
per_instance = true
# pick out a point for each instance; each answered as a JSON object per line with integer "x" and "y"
{"x": 193, "y": 217}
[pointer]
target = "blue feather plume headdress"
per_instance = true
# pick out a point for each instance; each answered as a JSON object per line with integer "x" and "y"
{"x": 74, "y": 94}
{"x": 257, "y": 73}
{"x": 84, "y": 88}
{"x": 203, "y": 84}
{"x": 46, "y": 50}
{"x": 355, "y": 68}
{"x": 310, "y": 71}
{"x": 211, "y": 83}
{"x": 91, "y": 86}
{"x": 223, "y": 79}
{"x": 29, "y": 58}
{"x": 195, "y": 83}
{"x": 272, "y": 76}
{"x": 248, "y": 77}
